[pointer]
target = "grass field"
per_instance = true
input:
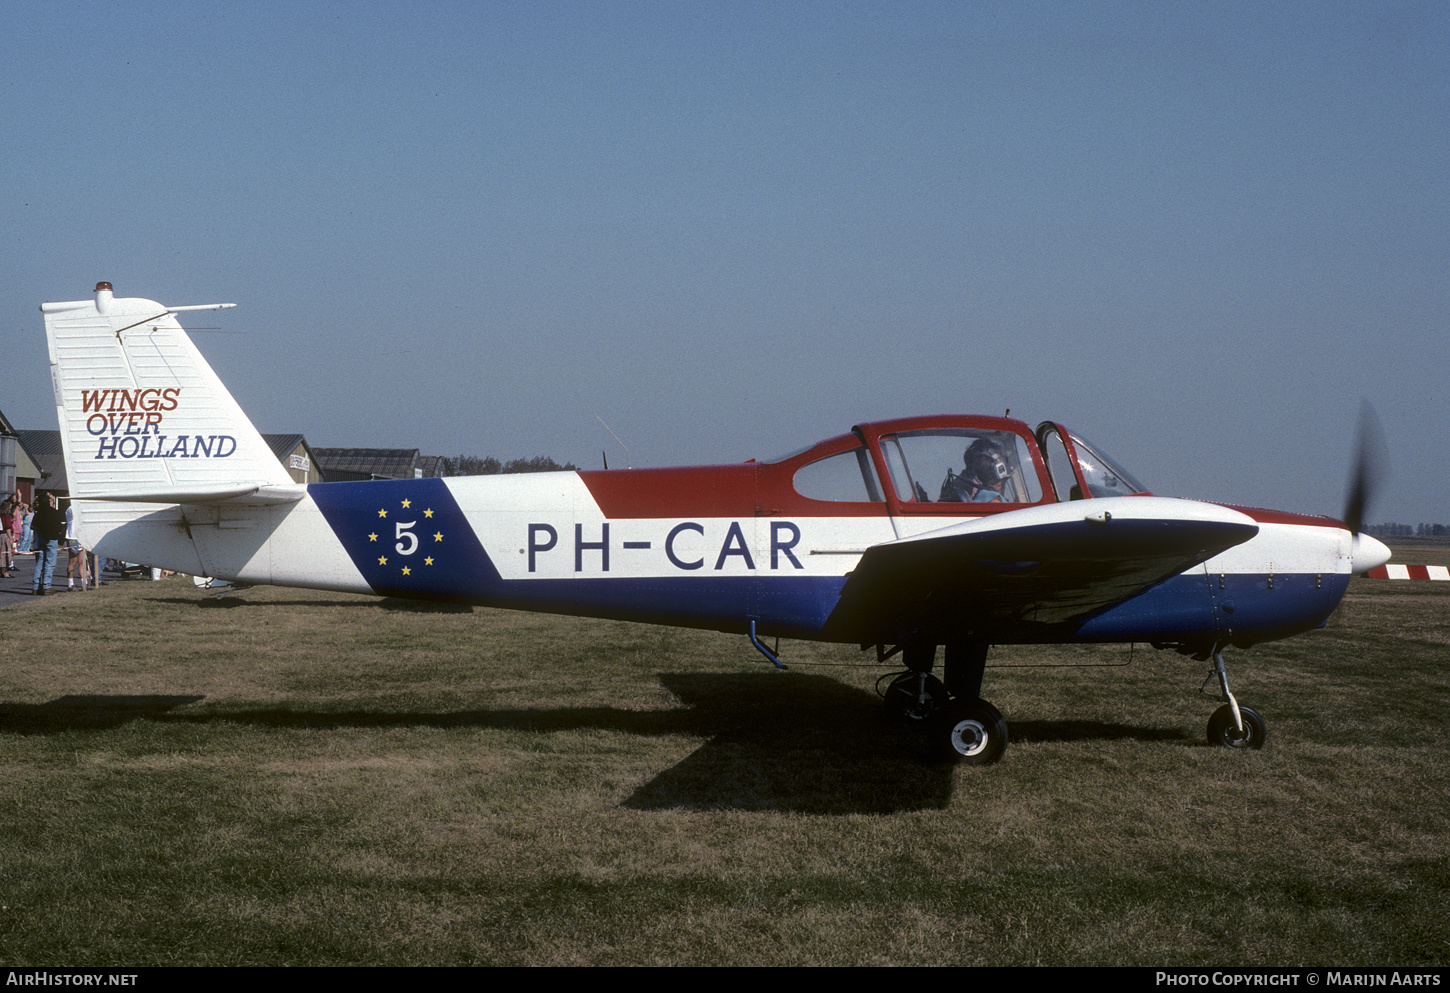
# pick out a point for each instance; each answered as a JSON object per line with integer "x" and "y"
{"x": 282, "y": 776}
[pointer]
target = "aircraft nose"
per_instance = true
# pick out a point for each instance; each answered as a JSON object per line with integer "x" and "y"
{"x": 1368, "y": 553}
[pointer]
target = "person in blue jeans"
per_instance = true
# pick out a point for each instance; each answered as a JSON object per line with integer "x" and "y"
{"x": 47, "y": 529}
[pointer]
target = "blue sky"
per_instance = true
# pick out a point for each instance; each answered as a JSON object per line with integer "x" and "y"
{"x": 1197, "y": 233}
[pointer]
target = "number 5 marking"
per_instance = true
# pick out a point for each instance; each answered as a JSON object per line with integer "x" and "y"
{"x": 411, "y": 538}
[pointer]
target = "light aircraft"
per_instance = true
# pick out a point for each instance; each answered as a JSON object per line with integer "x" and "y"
{"x": 909, "y": 536}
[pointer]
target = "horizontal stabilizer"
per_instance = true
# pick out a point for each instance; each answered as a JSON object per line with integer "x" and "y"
{"x": 246, "y": 496}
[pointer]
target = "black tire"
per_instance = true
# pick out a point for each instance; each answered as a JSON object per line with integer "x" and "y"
{"x": 1221, "y": 729}
{"x": 913, "y": 698}
{"x": 971, "y": 732}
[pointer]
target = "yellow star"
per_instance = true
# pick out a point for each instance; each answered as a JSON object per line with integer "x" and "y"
{"x": 427, "y": 513}
{"x": 382, "y": 513}
{"x": 407, "y": 504}
{"x": 407, "y": 571}
{"x": 372, "y": 537}
{"x": 382, "y": 560}
{"x": 428, "y": 560}
{"x": 438, "y": 536}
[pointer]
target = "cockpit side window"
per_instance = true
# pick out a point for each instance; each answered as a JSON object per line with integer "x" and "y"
{"x": 961, "y": 465}
{"x": 846, "y": 477}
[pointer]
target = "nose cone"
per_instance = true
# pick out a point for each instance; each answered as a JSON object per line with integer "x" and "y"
{"x": 1368, "y": 553}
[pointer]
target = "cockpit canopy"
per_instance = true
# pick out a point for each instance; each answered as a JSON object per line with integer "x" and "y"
{"x": 958, "y": 465}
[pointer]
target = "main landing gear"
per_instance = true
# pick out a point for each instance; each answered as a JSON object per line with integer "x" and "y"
{"x": 1233, "y": 725}
{"x": 960, "y": 725}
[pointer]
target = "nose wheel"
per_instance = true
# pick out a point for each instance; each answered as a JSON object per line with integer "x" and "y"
{"x": 1223, "y": 731}
{"x": 1233, "y": 725}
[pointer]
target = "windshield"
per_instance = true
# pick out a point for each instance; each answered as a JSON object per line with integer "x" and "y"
{"x": 1105, "y": 477}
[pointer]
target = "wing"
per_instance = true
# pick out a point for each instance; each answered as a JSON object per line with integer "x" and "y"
{"x": 1056, "y": 565}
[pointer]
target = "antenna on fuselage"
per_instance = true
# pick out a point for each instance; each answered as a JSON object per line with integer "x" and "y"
{"x": 628, "y": 458}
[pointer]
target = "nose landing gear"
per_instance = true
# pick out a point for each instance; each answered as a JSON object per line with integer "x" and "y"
{"x": 1233, "y": 726}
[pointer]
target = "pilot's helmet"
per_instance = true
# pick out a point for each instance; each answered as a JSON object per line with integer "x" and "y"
{"x": 985, "y": 461}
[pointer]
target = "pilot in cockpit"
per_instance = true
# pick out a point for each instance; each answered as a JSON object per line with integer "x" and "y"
{"x": 982, "y": 480}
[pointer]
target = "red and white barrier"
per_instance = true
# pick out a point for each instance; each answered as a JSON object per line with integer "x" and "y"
{"x": 1396, "y": 571}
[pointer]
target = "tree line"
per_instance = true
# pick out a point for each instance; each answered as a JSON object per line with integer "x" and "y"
{"x": 472, "y": 465}
{"x": 1392, "y": 530}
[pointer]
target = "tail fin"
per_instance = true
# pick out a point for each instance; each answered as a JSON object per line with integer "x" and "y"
{"x": 143, "y": 418}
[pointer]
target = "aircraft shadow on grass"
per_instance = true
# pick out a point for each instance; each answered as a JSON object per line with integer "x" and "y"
{"x": 774, "y": 741}
{"x": 791, "y": 741}
{"x": 89, "y": 712}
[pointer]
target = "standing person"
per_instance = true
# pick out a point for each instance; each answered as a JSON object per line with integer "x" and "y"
{"x": 47, "y": 530}
{"x": 76, "y": 563}
{"x": 27, "y": 514}
{"x": 8, "y": 510}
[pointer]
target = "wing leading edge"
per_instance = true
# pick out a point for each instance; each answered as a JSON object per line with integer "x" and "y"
{"x": 1054, "y": 566}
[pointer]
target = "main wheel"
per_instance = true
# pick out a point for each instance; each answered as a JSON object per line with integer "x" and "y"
{"x": 971, "y": 732}
{"x": 1221, "y": 729}
{"x": 913, "y": 697}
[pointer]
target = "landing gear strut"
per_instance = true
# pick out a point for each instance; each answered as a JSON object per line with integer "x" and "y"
{"x": 960, "y": 725}
{"x": 1232, "y": 725}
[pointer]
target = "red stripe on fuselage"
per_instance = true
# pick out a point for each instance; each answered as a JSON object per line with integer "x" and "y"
{"x": 749, "y": 490}
{"x": 692, "y": 491}
{"x": 1284, "y": 517}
